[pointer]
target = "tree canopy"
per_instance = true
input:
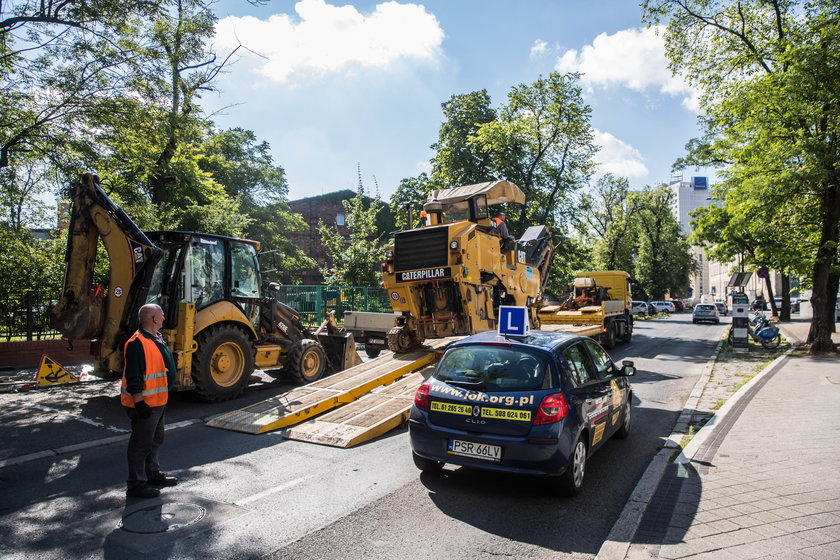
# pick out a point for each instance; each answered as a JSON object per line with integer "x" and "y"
{"x": 769, "y": 72}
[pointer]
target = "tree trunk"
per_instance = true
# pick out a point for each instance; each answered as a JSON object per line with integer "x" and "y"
{"x": 160, "y": 180}
{"x": 770, "y": 298}
{"x": 784, "y": 312}
{"x": 825, "y": 283}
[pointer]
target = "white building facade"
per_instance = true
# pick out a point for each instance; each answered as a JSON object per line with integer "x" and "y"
{"x": 712, "y": 277}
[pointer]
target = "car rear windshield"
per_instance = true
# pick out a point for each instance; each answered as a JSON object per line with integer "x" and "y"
{"x": 494, "y": 368}
{"x": 705, "y": 307}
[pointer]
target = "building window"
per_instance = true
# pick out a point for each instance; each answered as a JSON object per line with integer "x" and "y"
{"x": 339, "y": 219}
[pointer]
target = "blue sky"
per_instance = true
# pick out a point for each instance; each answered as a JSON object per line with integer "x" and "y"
{"x": 331, "y": 85}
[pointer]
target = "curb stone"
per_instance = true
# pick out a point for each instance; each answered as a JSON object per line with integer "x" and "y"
{"x": 617, "y": 544}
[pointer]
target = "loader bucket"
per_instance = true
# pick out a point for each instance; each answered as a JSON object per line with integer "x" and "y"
{"x": 341, "y": 350}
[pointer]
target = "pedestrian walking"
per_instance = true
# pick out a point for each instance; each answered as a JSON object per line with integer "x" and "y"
{"x": 148, "y": 373}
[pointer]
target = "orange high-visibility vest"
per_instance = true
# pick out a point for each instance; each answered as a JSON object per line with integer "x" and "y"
{"x": 155, "y": 380}
{"x": 497, "y": 221}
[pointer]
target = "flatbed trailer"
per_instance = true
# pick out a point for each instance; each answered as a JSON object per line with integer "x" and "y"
{"x": 305, "y": 402}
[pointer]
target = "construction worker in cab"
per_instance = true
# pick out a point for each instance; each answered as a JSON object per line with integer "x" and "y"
{"x": 507, "y": 242}
{"x": 148, "y": 374}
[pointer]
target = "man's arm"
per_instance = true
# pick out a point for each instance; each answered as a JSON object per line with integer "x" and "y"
{"x": 135, "y": 366}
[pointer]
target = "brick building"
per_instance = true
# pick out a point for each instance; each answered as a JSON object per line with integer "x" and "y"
{"x": 326, "y": 208}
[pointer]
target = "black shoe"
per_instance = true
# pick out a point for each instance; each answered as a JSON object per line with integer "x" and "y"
{"x": 159, "y": 479}
{"x": 142, "y": 490}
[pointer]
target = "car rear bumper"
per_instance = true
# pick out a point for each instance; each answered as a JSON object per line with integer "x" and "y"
{"x": 523, "y": 455}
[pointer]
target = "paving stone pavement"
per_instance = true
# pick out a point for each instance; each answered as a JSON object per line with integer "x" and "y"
{"x": 766, "y": 484}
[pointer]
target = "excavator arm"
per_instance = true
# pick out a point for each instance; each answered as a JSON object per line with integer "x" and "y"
{"x": 108, "y": 314}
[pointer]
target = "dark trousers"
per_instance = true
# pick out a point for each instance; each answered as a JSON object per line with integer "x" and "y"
{"x": 146, "y": 438}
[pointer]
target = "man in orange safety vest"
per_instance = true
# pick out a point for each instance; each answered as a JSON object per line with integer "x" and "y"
{"x": 148, "y": 373}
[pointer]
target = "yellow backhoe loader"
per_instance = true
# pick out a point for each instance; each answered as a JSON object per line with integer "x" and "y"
{"x": 221, "y": 320}
{"x": 450, "y": 275}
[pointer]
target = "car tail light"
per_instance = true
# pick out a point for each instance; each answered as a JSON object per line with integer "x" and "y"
{"x": 553, "y": 408}
{"x": 421, "y": 397}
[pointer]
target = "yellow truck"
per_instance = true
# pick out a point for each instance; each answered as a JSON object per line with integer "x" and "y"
{"x": 599, "y": 305}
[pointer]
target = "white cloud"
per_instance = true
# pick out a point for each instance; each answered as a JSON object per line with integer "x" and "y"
{"x": 618, "y": 158}
{"x": 539, "y": 48}
{"x": 324, "y": 38}
{"x": 632, "y": 58}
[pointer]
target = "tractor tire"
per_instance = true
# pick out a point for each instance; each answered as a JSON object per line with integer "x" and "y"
{"x": 223, "y": 363}
{"x": 400, "y": 340}
{"x": 306, "y": 361}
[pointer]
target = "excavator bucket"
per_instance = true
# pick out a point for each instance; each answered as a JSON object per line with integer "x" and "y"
{"x": 340, "y": 349}
{"x": 339, "y": 344}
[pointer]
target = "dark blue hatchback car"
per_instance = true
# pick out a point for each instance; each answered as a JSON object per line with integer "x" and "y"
{"x": 535, "y": 405}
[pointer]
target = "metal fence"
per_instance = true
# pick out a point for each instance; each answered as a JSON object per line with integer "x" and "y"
{"x": 314, "y": 302}
{"x": 25, "y": 318}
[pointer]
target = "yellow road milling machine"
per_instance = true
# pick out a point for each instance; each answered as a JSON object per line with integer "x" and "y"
{"x": 221, "y": 320}
{"x": 449, "y": 276}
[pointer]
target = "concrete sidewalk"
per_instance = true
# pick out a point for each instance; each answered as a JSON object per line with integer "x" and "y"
{"x": 761, "y": 480}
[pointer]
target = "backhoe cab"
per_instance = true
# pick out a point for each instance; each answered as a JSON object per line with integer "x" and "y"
{"x": 221, "y": 320}
{"x": 449, "y": 276}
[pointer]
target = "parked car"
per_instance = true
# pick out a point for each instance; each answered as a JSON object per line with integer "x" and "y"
{"x": 794, "y": 304}
{"x": 651, "y": 309}
{"x": 664, "y": 306}
{"x": 678, "y": 304}
{"x": 758, "y": 304}
{"x": 524, "y": 406}
{"x": 722, "y": 308}
{"x": 640, "y": 308}
{"x": 705, "y": 312}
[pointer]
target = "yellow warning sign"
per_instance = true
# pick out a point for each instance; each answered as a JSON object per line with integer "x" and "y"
{"x": 51, "y": 372}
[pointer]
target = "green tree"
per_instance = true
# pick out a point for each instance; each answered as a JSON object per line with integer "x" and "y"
{"x": 237, "y": 160}
{"x": 354, "y": 258}
{"x": 457, "y": 161}
{"x": 57, "y": 59}
{"x": 609, "y": 218}
{"x": 411, "y": 194}
{"x": 664, "y": 261}
{"x": 541, "y": 141}
{"x": 769, "y": 72}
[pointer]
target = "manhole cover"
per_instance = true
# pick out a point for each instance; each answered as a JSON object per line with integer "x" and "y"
{"x": 162, "y": 518}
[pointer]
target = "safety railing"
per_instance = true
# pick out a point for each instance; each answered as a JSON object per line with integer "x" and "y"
{"x": 314, "y": 302}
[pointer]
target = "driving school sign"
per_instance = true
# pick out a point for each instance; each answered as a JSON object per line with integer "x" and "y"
{"x": 425, "y": 274}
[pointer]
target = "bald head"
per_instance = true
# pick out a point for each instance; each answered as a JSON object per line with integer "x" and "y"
{"x": 151, "y": 317}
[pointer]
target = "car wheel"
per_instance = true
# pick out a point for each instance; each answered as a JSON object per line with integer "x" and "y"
{"x": 694, "y": 321}
{"x": 571, "y": 481}
{"x": 624, "y": 431}
{"x": 717, "y": 321}
{"x": 426, "y": 465}
{"x": 607, "y": 339}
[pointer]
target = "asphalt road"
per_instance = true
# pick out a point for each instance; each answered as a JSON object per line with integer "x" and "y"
{"x": 249, "y": 496}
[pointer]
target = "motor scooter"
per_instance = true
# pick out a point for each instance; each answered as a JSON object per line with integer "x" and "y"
{"x": 763, "y": 331}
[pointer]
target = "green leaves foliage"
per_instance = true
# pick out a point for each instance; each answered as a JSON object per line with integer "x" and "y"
{"x": 354, "y": 257}
{"x": 769, "y": 74}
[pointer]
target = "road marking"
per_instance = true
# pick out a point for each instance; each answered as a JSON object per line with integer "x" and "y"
{"x": 269, "y": 492}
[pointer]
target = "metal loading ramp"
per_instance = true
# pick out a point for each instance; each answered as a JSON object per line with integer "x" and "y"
{"x": 369, "y": 417}
{"x": 302, "y": 403}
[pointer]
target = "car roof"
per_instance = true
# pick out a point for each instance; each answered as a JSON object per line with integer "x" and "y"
{"x": 545, "y": 340}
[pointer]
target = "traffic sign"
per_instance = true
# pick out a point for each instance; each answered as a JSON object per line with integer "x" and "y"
{"x": 762, "y": 272}
{"x": 513, "y": 321}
